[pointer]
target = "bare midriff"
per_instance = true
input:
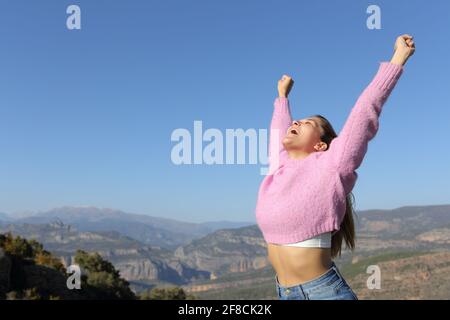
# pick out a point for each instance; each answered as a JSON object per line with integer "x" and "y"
{"x": 297, "y": 265}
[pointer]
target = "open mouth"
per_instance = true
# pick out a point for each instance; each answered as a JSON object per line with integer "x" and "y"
{"x": 294, "y": 131}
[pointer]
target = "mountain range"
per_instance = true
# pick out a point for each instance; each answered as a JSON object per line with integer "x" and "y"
{"x": 164, "y": 232}
{"x": 215, "y": 259}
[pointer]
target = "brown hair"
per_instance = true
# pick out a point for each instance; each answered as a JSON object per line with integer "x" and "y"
{"x": 347, "y": 228}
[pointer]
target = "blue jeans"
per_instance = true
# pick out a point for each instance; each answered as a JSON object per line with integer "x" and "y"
{"x": 329, "y": 286}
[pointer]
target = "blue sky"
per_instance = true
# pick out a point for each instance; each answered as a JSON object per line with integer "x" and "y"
{"x": 86, "y": 115}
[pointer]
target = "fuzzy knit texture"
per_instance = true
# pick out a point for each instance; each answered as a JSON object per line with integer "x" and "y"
{"x": 301, "y": 198}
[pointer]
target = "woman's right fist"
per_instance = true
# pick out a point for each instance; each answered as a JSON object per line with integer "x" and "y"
{"x": 403, "y": 49}
{"x": 285, "y": 85}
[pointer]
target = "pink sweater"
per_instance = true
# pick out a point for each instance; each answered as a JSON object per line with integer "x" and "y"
{"x": 300, "y": 199}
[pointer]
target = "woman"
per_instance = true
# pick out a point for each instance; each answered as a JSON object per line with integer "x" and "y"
{"x": 304, "y": 208}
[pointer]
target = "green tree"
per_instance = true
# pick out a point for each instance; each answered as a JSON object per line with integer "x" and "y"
{"x": 100, "y": 279}
{"x": 173, "y": 293}
{"x": 17, "y": 246}
{"x": 45, "y": 258}
{"x": 31, "y": 294}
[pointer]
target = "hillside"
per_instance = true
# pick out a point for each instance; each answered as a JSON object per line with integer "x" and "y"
{"x": 228, "y": 258}
{"x": 155, "y": 231}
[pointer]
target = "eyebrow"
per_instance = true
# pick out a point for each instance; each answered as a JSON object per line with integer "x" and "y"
{"x": 313, "y": 121}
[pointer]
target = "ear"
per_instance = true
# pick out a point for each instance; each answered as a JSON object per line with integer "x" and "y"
{"x": 321, "y": 146}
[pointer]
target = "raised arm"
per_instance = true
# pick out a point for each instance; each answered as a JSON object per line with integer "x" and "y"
{"x": 347, "y": 151}
{"x": 281, "y": 120}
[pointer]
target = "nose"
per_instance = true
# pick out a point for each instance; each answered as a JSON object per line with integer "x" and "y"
{"x": 295, "y": 123}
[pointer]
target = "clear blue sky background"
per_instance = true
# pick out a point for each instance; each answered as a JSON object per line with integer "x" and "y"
{"x": 86, "y": 116}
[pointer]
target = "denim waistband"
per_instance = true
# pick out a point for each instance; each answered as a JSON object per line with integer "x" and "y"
{"x": 311, "y": 284}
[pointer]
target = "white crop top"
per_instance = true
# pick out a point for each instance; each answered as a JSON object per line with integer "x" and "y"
{"x": 322, "y": 240}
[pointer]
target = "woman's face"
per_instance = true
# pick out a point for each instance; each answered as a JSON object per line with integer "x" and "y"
{"x": 303, "y": 135}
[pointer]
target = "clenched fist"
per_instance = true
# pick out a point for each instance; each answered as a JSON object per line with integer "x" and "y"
{"x": 285, "y": 85}
{"x": 403, "y": 49}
